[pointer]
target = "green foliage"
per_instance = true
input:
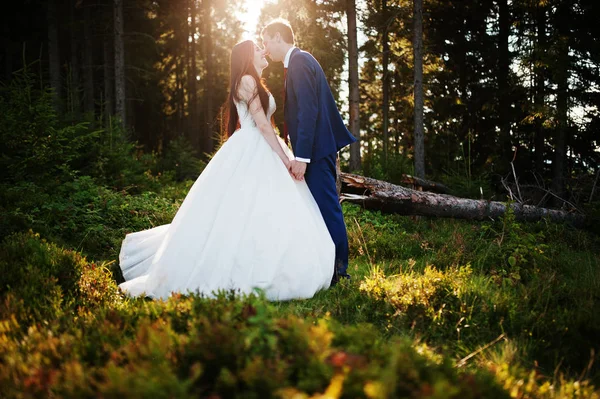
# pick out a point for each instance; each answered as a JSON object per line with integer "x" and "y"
{"x": 397, "y": 332}
{"x": 429, "y": 302}
{"x": 391, "y": 171}
{"x": 465, "y": 185}
{"x": 82, "y": 214}
{"x": 35, "y": 146}
{"x": 229, "y": 346}
{"x": 536, "y": 283}
{"x": 523, "y": 251}
{"x": 56, "y": 175}
{"x": 179, "y": 157}
{"x": 412, "y": 364}
{"x": 117, "y": 162}
{"x": 41, "y": 281}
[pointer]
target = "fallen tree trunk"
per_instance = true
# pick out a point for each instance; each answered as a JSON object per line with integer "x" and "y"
{"x": 426, "y": 185}
{"x": 387, "y": 197}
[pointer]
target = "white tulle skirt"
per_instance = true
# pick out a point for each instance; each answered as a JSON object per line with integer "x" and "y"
{"x": 244, "y": 224}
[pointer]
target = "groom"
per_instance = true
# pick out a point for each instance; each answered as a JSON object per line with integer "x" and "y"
{"x": 316, "y": 130}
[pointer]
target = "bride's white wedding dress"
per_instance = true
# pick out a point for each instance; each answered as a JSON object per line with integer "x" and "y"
{"x": 245, "y": 223}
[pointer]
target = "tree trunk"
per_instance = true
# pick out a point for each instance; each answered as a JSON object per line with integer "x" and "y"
{"x": 208, "y": 79}
{"x": 179, "y": 81}
{"x": 386, "y": 81}
{"x": 387, "y": 197}
{"x": 120, "y": 108}
{"x": 109, "y": 89}
{"x": 562, "y": 103}
{"x": 184, "y": 65}
{"x": 418, "y": 89}
{"x": 54, "y": 55}
{"x": 397, "y": 130}
{"x": 193, "y": 133}
{"x": 463, "y": 86}
{"x": 540, "y": 88}
{"x": 424, "y": 185}
{"x": 8, "y": 47}
{"x": 503, "y": 90}
{"x": 75, "y": 104}
{"x": 354, "y": 100}
{"x": 88, "y": 70}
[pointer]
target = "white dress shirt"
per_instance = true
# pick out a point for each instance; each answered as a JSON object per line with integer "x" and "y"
{"x": 286, "y": 62}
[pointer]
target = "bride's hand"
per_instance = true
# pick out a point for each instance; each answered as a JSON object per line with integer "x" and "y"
{"x": 288, "y": 166}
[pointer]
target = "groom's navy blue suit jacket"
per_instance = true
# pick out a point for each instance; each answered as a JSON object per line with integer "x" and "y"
{"x": 314, "y": 124}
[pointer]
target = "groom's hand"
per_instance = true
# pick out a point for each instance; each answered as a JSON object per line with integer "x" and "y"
{"x": 297, "y": 169}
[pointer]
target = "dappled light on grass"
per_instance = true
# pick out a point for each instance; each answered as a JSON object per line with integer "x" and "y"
{"x": 420, "y": 316}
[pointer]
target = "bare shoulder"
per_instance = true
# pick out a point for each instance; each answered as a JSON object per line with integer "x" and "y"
{"x": 248, "y": 83}
{"x": 247, "y": 88}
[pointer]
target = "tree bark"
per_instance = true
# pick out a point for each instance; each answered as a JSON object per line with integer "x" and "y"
{"x": 355, "y": 161}
{"x": 385, "y": 80}
{"x": 208, "y": 78}
{"x": 503, "y": 71}
{"x": 180, "y": 84}
{"x": 418, "y": 89}
{"x": 424, "y": 185}
{"x": 562, "y": 101}
{"x": 120, "y": 108}
{"x": 109, "y": 89}
{"x": 75, "y": 106}
{"x": 464, "y": 96}
{"x": 54, "y": 55}
{"x": 8, "y": 56}
{"x": 193, "y": 133}
{"x": 540, "y": 88}
{"x": 88, "y": 70}
{"x": 387, "y": 197}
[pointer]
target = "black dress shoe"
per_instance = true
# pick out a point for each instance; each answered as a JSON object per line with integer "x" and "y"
{"x": 334, "y": 279}
{"x": 337, "y": 277}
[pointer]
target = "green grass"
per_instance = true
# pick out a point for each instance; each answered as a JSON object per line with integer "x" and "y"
{"x": 434, "y": 308}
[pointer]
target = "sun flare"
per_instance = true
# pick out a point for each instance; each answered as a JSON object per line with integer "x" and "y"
{"x": 248, "y": 15}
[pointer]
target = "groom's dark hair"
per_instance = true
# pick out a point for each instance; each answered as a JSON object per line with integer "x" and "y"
{"x": 282, "y": 27}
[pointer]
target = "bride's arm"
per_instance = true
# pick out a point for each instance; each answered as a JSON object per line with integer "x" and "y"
{"x": 247, "y": 90}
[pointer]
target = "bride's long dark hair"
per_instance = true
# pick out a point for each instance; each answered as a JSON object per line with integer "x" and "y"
{"x": 242, "y": 57}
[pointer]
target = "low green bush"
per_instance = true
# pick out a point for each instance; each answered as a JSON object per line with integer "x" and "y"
{"x": 230, "y": 346}
{"x": 40, "y": 281}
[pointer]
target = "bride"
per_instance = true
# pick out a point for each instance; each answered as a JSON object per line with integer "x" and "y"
{"x": 245, "y": 223}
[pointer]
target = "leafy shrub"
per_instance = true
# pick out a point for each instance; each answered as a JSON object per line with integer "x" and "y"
{"x": 377, "y": 236}
{"x": 396, "y": 166}
{"x": 429, "y": 302}
{"x": 36, "y": 148}
{"x": 522, "y": 251}
{"x": 96, "y": 343}
{"x": 38, "y": 277}
{"x": 70, "y": 182}
{"x": 229, "y": 346}
{"x": 458, "y": 310}
{"x": 180, "y": 158}
{"x": 82, "y": 214}
{"x": 41, "y": 281}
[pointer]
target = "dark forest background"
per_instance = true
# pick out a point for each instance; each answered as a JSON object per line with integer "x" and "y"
{"x": 501, "y": 81}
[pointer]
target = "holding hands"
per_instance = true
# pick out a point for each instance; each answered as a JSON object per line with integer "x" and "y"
{"x": 297, "y": 169}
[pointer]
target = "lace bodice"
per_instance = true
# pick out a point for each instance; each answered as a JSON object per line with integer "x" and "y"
{"x": 246, "y": 119}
